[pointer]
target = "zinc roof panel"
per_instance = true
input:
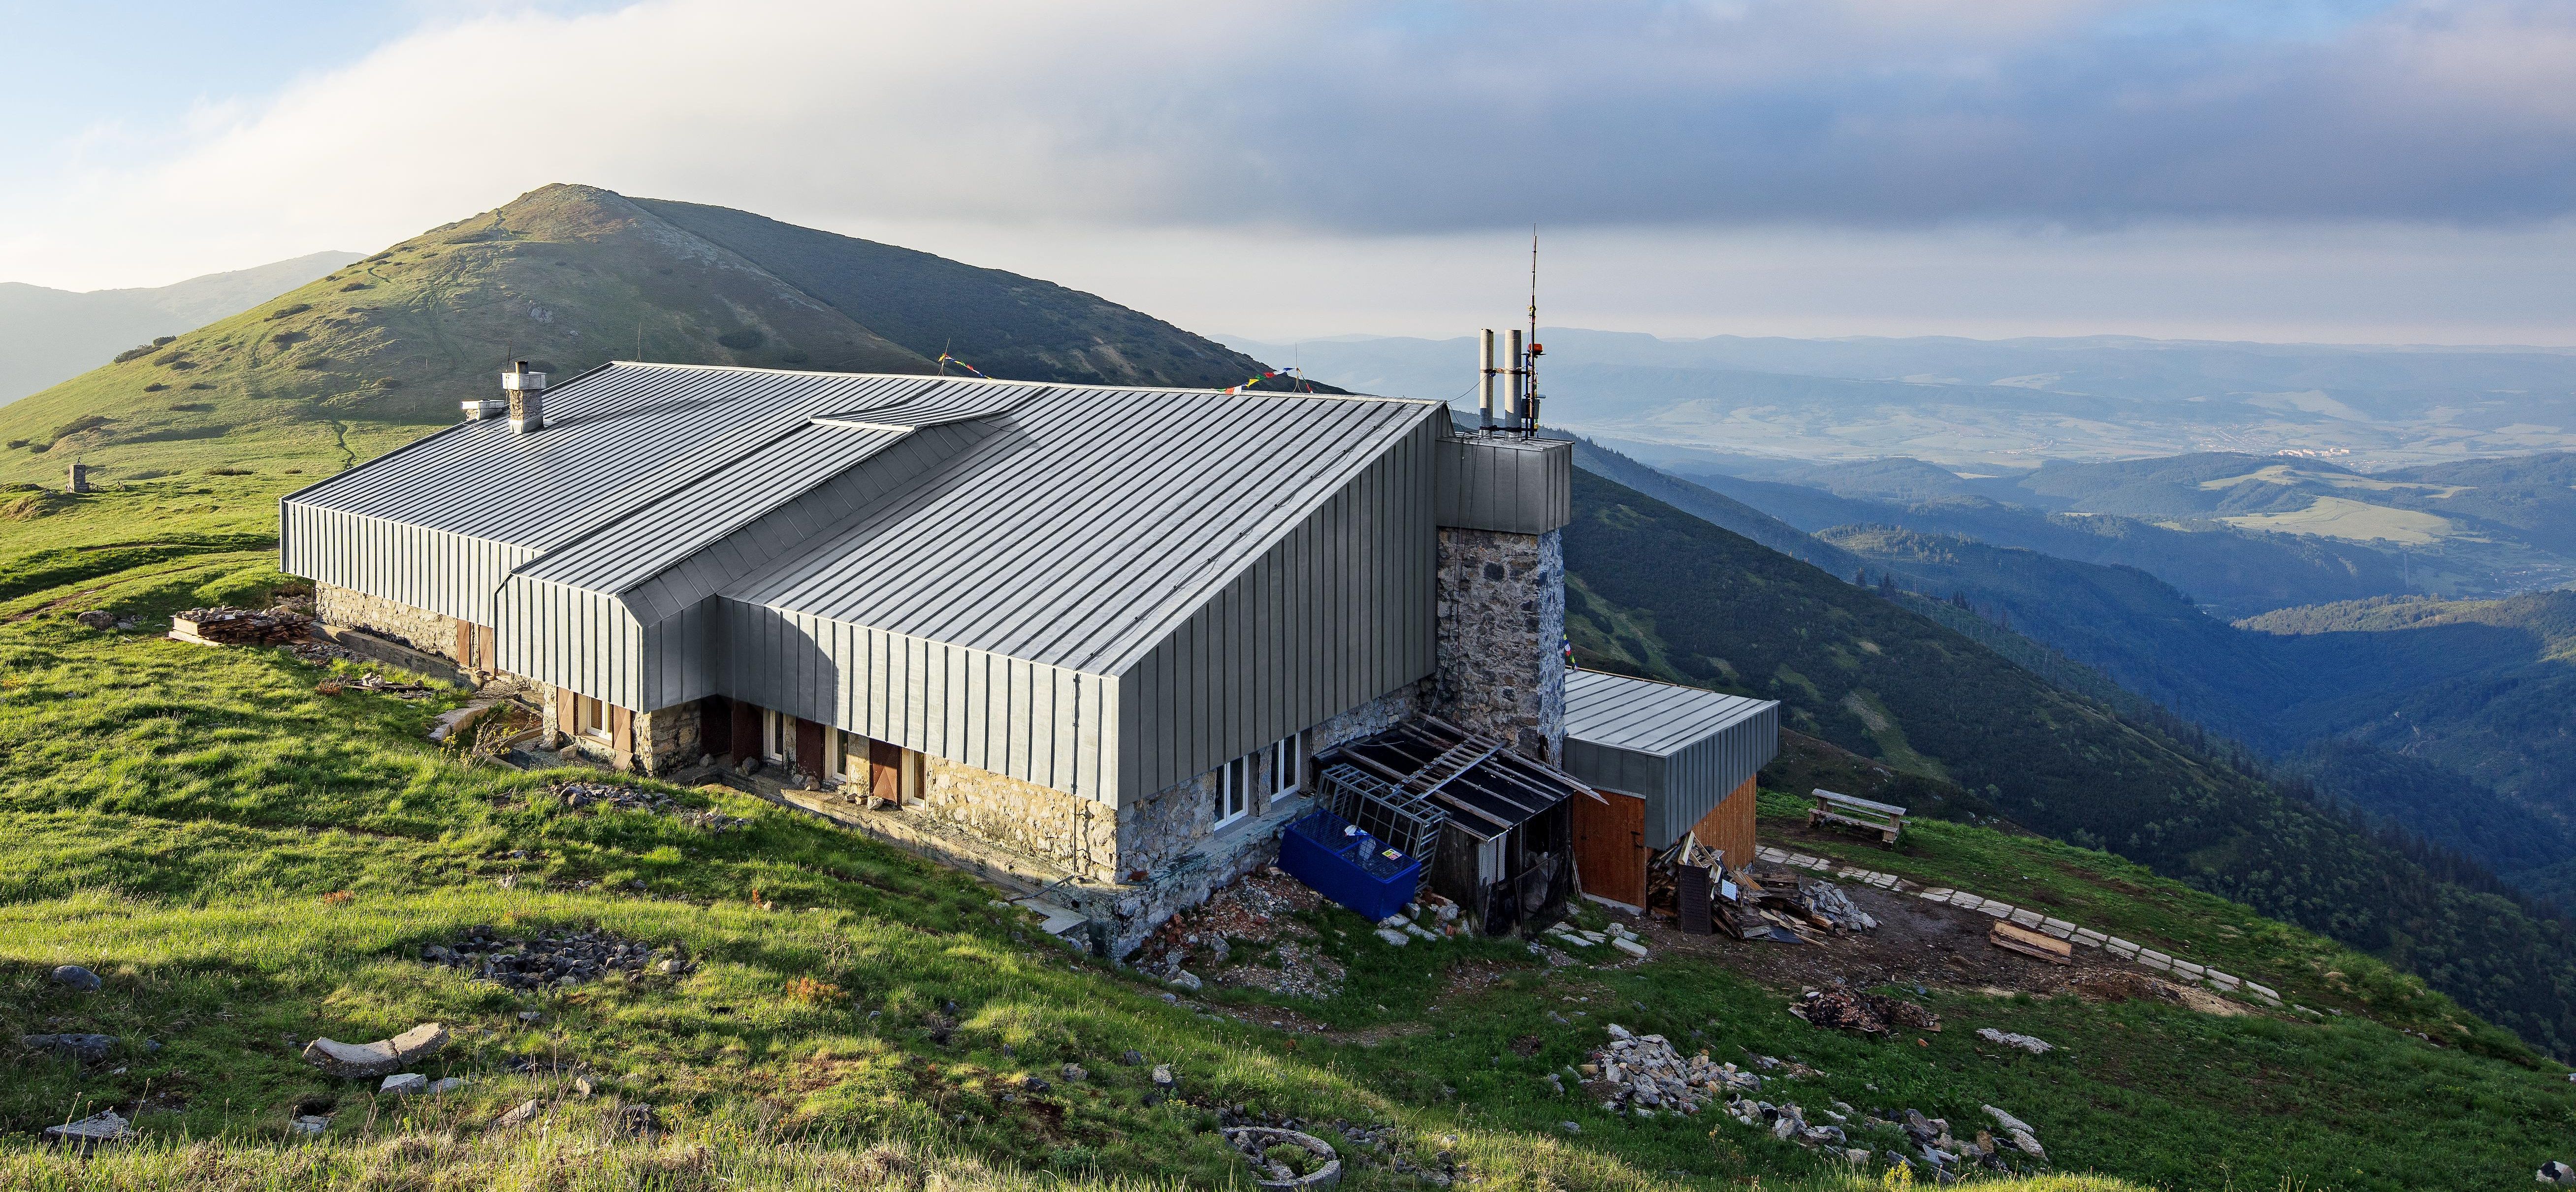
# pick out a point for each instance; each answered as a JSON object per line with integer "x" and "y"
{"x": 1646, "y": 716}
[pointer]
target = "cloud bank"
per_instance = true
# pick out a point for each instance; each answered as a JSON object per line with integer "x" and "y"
{"x": 1353, "y": 121}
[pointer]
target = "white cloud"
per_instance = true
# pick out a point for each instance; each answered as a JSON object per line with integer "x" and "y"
{"x": 1344, "y": 128}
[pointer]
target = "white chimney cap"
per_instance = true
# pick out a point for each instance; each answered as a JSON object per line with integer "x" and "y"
{"x": 530, "y": 381}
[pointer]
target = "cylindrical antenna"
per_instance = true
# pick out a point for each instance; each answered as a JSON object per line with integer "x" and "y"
{"x": 1520, "y": 379}
{"x": 1485, "y": 378}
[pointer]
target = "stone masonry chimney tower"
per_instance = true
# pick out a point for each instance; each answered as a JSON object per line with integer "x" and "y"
{"x": 527, "y": 393}
{"x": 1502, "y": 503}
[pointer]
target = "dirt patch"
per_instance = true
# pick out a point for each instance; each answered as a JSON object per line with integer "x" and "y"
{"x": 1916, "y": 943}
{"x": 1247, "y": 936}
{"x": 2139, "y": 987}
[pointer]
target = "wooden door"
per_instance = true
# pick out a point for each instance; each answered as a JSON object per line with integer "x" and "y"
{"x": 885, "y": 771}
{"x": 1610, "y": 847}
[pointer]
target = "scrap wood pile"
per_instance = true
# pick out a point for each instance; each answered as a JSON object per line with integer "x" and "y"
{"x": 1863, "y": 1013}
{"x": 240, "y": 626}
{"x": 1794, "y": 909}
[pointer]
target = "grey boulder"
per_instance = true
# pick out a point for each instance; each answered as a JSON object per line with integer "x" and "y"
{"x": 85, "y": 1048}
{"x": 75, "y": 976}
{"x": 104, "y": 1128}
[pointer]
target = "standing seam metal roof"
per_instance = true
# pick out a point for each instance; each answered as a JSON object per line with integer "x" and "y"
{"x": 1647, "y": 716}
{"x": 1075, "y": 533}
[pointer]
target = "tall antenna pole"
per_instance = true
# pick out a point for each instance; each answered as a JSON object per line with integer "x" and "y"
{"x": 1529, "y": 365}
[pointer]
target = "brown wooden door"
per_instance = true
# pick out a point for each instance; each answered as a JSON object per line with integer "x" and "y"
{"x": 885, "y": 771}
{"x": 1610, "y": 847}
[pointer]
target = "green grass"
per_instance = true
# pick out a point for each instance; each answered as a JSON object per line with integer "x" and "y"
{"x": 250, "y": 864}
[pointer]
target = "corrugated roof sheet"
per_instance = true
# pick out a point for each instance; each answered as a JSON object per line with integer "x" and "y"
{"x": 1076, "y": 534}
{"x": 1647, "y": 716}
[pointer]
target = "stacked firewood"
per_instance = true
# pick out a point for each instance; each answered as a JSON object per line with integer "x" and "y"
{"x": 241, "y": 626}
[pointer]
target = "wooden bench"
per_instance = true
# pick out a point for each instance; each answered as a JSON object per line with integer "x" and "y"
{"x": 1884, "y": 820}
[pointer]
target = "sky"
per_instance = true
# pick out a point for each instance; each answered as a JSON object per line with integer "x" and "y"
{"x": 2326, "y": 170}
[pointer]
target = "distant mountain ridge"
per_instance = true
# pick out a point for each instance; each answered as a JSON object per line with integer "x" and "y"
{"x": 567, "y": 277}
{"x": 49, "y": 335}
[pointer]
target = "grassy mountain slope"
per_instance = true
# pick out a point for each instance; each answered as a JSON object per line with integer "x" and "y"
{"x": 2233, "y": 572}
{"x": 250, "y": 863}
{"x": 49, "y": 335}
{"x": 1714, "y": 507}
{"x": 1002, "y": 323}
{"x": 567, "y": 277}
{"x": 2506, "y": 725}
{"x": 1713, "y": 608}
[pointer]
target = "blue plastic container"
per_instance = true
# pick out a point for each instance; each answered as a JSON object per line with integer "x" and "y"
{"x": 1348, "y": 866}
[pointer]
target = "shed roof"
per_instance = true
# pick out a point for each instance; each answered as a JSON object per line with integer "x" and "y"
{"x": 1645, "y": 716}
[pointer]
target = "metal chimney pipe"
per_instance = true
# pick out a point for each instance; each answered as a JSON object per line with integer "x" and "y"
{"x": 1485, "y": 377}
{"x": 1520, "y": 380}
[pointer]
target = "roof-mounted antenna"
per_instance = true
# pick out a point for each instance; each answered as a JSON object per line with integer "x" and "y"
{"x": 1529, "y": 364}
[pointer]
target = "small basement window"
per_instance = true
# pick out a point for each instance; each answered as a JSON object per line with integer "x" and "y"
{"x": 1282, "y": 769}
{"x": 1233, "y": 792}
{"x": 590, "y": 717}
{"x": 777, "y": 735}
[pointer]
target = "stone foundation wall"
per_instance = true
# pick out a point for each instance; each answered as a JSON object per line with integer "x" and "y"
{"x": 419, "y": 628}
{"x": 1502, "y": 637}
{"x": 668, "y": 739}
{"x": 1073, "y": 834}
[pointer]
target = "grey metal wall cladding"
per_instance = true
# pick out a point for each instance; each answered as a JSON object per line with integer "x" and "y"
{"x": 447, "y": 573}
{"x": 1518, "y": 486}
{"x": 1038, "y": 723}
{"x": 1338, "y": 611}
{"x": 1682, "y": 749}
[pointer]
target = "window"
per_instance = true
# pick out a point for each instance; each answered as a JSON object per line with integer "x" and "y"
{"x": 1283, "y": 771}
{"x": 777, "y": 735}
{"x": 590, "y": 717}
{"x": 849, "y": 756}
{"x": 1275, "y": 770}
{"x": 1233, "y": 792}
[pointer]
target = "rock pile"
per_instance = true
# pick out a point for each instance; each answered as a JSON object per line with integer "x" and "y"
{"x": 1360, "y": 1147}
{"x": 226, "y": 626}
{"x": 551, "y": 959}
{"x": 2009, "y": 1039}
{"x": 1616, "y": 936}
{"x": 607, "y": 796}
{"x": 1645, "y": 1074}
{"x": 1864, "y": 1013}
{"x": 1286, "y": 1158}
{"x": 2018, "y": 1152}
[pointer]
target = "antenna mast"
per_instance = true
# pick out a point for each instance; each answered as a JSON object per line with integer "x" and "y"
{"x": 1529, "y": 363}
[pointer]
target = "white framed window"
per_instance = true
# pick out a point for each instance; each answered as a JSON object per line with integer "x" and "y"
{"x": 1274, "y": 770}
{"x": 1283, "y": 770}
{"x": 1233, "y": 792}
{"x": 590, "y": 717}
{"x": 777, "y": 735}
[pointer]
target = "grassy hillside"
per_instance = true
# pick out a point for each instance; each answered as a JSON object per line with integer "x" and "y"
{"x": 567, "y": 277}
{"x": 250, "y": 863}
{"x": 48, "y": 335}
{"x": 2233, "y": 572}
{"x": 1004, "y": 324}
{"x": 1669, "y": 594}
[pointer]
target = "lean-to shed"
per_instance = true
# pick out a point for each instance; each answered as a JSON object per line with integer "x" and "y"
{"x": 1674, "y": 759}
